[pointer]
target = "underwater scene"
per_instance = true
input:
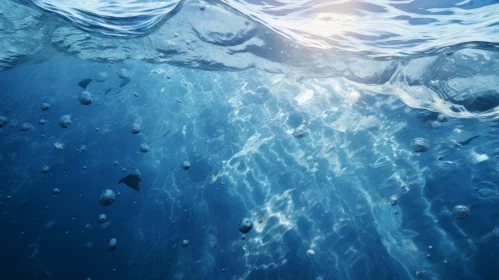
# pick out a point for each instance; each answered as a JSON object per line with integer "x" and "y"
{"x": 249, "y": 139}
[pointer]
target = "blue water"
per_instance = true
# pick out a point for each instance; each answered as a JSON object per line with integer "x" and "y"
{"x": 231, "y": 86}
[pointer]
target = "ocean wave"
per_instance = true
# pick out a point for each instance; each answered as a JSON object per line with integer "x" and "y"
{"x": 450, "y": 69}
{"x": 122, "y": 18}
{"x": 382, "y": 28}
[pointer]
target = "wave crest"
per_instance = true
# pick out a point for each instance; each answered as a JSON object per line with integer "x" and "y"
{"x": 112, "y": 18}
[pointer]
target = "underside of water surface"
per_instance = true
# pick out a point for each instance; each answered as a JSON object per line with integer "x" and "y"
{"x": 247, "y": 139}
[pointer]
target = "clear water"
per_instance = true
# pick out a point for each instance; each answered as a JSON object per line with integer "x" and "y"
{"x": 299, "y": 115}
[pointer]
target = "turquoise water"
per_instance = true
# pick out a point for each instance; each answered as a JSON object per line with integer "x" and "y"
{"x": 360, "y": 139}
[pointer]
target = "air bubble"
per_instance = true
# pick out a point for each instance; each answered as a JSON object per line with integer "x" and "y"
{"x": 245, "y": 225}
{"x": 420, "y": 145}
{"x": 107, "y": 197}
{"x": 461, "y": 211}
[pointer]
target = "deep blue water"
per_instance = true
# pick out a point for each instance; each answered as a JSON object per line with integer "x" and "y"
{"x": 228, "y": 87}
